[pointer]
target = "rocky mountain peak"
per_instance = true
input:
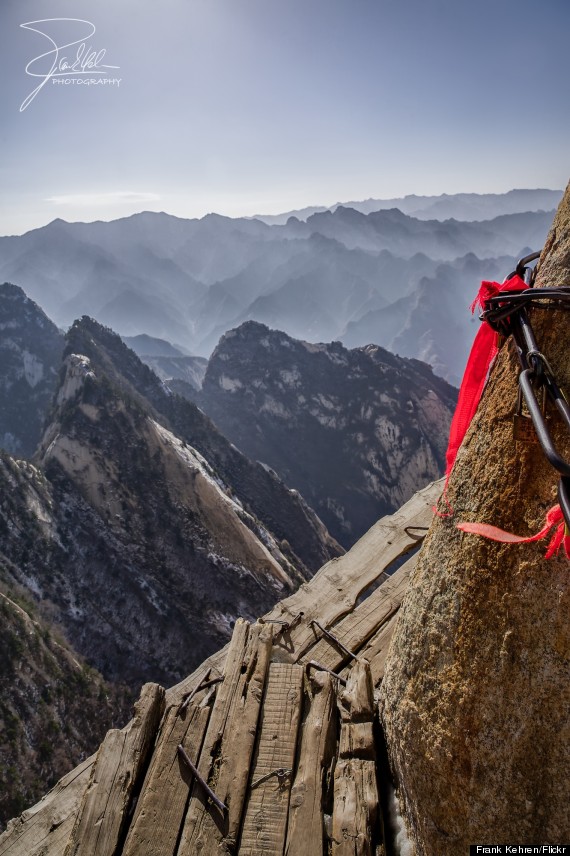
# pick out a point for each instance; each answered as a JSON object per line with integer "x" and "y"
{"x": 77, "y": 368}
{"x": 368, "y": 428}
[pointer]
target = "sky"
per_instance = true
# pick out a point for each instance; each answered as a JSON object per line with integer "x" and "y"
{"x": 261, "y": 106}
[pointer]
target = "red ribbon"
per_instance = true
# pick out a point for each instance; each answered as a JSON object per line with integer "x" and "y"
{"x": 554, "y": 517}
{"x": 484, "y": 350}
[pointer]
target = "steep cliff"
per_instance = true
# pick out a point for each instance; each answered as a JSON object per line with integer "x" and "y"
{"x": 30, "y": 355}
{"x": 476, "y": 694}
{"x": 263, "y": 494}
{"x": 355, "y": 431}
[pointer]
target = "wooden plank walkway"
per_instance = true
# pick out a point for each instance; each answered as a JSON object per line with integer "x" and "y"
{"x": 281, "y": 743}
{"x": 266, "y": 811}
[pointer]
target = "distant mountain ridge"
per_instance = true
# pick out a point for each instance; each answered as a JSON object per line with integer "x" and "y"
{"x": 189, "y": 281}
{"x": 460, "y": 206}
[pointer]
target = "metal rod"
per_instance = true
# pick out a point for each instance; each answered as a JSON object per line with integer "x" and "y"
{"x": 542, "y": 432}
{"x": 187, "y": 698}
{"x": 312, "y": 664}
{"x": 336, "y": 641}
{"x": 281, "y": 774}
{"x": 285, "y": 626}
{"x": 216, "y": 800}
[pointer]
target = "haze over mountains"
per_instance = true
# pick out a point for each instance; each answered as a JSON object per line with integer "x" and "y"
{"x": 132, "y": 531}
{"x": 337, "y": 275}
{"x": 459, "y": 206}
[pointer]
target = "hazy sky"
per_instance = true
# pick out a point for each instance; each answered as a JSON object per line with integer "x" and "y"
{"x": 260, "y": 106}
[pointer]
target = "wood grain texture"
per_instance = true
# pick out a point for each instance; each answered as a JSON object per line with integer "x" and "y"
{"x": 305, "y": 833}
{"x": 120, "y": 762}
{"x": 355, "y": 629}
{"x": 45, "y": 828}
{"x": 228, "y": 746}
{"x": 266, "y": 811}
{"x": 355, "y": 808}
{"x": 335, "y": 589}
{"x": 377, "y": 647}
{"x": 355, "y": 813}
{"x": 162, "y": 805}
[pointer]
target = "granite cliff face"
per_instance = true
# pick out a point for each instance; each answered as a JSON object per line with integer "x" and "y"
{"x": 139, "y": 546}
{"x": 476, "y": 696}
{"x": 31, "y": 347}
{"x": 357, "y": 432}
{"x": 282, "y": 511}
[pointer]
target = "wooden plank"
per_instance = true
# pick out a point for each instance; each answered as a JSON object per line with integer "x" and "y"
{"x": 355, "y": 809}
{"x": 265, "y": 819}
{"x": 335, "y": 589}
{"x": 305, "y": 832}
{"x": 226, "y": 767}
{"x": 376, "y": 649}
{"x": 162, "y": 805}
{"x": 357, "y": 741}
{"x": 120, "y": 762}
{"x": 215, "y": 662}
{"x": 46, "y": 827}
{"x": 355, "y": 629}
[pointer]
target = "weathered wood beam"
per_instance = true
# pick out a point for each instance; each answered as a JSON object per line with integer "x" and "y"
{"x": 46, "y": 827}
{"x": 266, "y": 810}
{"x": 355, "y": 827}
{"x": 305, "y": 832}
{"x": 355, "y": 629}
{"x": 160, "y": 810}
{"x": 115, "y": 775}
{"x": 228, "y": 747}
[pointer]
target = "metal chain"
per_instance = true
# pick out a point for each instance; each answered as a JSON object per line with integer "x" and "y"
{"x": 507, "y": 314}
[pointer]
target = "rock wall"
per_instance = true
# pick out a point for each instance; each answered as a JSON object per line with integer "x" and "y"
{"x": 476, "y": 697}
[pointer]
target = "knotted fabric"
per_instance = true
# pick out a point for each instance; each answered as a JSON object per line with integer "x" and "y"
{"x": 483, "y": 353}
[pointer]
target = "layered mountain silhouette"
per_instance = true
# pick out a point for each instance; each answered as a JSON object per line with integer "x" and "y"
{"x": 168, "y": 361}
{"x": 189, "y": 281}
{"x": 459, "y": 206}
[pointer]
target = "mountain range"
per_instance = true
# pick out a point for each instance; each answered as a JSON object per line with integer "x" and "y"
{"x": 151, "y": 493}
{"x": 334, "y": 276}
{"x": 133, "y": 533}
{"x": 353, "y": 430}
{"x": 459, "y": 206}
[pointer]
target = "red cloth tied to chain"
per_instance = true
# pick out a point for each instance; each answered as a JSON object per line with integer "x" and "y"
{"x": 483, "y": 352}
{"x": 485, "y": 349}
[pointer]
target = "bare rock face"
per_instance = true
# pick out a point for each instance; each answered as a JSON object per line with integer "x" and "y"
{"x": 476, "y": 694}
{"x": 356, "y": 432}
